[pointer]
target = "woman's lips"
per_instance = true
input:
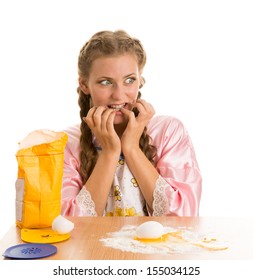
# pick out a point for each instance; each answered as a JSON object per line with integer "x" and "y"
{"x": 117, "y": 106}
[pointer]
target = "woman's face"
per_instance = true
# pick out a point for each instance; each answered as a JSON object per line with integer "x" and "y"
{"x": 114, "y": 82}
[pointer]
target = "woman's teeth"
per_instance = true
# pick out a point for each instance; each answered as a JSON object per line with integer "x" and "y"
{"x": 117, "y": 107}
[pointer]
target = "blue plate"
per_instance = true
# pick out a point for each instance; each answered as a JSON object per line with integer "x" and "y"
{"x": 30, "y": 251}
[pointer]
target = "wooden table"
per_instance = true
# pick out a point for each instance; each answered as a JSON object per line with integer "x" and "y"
{"x": 85, "y": 243}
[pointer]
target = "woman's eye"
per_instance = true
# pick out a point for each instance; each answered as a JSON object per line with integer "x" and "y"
{"x": 130, "y": 80}
{"x": 105, "y": 82}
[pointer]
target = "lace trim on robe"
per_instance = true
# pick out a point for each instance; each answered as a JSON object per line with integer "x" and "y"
{"x": 161, "y": 202}
{"x": 85, "y": 201}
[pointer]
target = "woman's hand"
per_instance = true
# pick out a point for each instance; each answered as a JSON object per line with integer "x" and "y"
{"x": 100, "y": 121}
{"x": 136, "y": 124}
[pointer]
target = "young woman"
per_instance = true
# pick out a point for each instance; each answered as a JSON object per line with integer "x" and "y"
{"x": 122, "y": 159}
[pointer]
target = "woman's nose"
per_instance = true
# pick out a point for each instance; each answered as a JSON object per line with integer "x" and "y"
{"x": 117, "y": 91}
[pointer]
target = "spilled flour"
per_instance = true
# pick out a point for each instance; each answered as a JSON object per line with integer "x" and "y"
{"x": 178, "y": 241}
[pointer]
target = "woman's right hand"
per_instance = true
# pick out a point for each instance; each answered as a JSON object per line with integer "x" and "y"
{"x": 100, "y": 121}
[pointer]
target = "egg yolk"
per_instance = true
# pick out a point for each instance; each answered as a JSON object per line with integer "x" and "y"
{"x": 162, "y": 238}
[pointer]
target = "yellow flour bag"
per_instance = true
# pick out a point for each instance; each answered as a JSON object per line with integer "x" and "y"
{"x": 40, "y": 160}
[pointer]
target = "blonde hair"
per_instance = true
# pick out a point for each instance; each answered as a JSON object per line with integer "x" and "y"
{"x": 105, "y": 43}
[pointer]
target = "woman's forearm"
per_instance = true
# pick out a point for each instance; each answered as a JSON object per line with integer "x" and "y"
{"x": 144, "y": 172}
{"x": 101, "y": 178}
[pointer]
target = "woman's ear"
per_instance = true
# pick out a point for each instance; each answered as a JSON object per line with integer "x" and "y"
{"x": 142, "y": 82}
{"x": 83, "y": 86}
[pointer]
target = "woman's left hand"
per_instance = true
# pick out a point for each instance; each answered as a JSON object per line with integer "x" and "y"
{"x": 136, "y": 124}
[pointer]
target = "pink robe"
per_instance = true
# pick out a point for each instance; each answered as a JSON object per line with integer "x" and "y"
{"x": 177, "y": 190}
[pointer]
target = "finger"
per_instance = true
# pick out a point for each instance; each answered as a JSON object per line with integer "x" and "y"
{"x": 130, "y": 114}
{"x": 144, "y": 107}
{"x": 91, "y": 112}
{"x": 145, "y": 104}
{"x": 126, "y": 111}
{"x": 105, "y": 118}
{"x": 97, "y": 116}
{"x": 89, "y": 117}
{"x": 110, "y": 122}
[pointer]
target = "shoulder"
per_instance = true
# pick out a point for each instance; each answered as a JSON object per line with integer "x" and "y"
{"x": 165, "y": 124}
{"x": 169, "y": 135}
{"x": 73, "y": 133}
{"x": 167, "y": 131}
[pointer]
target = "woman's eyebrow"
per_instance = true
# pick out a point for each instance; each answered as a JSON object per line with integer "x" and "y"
{"x": 129, "y": 75}
{"x": 104, "y": 78}
{"x": 110, "y": 78}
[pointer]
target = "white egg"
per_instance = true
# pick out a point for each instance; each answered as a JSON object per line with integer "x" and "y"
{"x": 62, "y": 225}
{"x": 150, "y": 229}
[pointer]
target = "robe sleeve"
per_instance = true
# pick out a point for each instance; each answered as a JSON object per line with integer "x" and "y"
{"x": 75, "y": 199}
{"x": 178, "y": 188}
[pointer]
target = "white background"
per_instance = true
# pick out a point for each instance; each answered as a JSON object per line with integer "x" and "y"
{"x": 199, "y": 69}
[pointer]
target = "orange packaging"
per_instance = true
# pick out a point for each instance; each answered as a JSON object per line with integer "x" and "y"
{"x": 40, "y": 170}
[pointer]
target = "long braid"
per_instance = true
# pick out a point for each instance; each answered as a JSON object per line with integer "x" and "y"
{"x": 148, "y": 149}
{"x": 145, "y": 143}
{"x": 88, "y": 154}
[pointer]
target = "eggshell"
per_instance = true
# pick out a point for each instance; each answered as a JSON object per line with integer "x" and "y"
{"x": 150, "y": 229}
{"x": 62, "y": 225}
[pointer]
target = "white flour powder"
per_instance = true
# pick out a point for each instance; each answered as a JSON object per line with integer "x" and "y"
{"x": 180, "y": 241}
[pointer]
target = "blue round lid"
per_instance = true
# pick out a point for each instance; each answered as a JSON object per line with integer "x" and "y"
{"x": 30, "y": 251}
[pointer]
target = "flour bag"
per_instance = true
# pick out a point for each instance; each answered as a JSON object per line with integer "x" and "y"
{"x": 40, "y": 158}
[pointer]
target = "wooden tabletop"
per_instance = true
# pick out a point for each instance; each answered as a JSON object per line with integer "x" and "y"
{"x": 85, "y": 241}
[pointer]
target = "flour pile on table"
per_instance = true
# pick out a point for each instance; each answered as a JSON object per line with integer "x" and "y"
{"x": 178, "y": 241}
